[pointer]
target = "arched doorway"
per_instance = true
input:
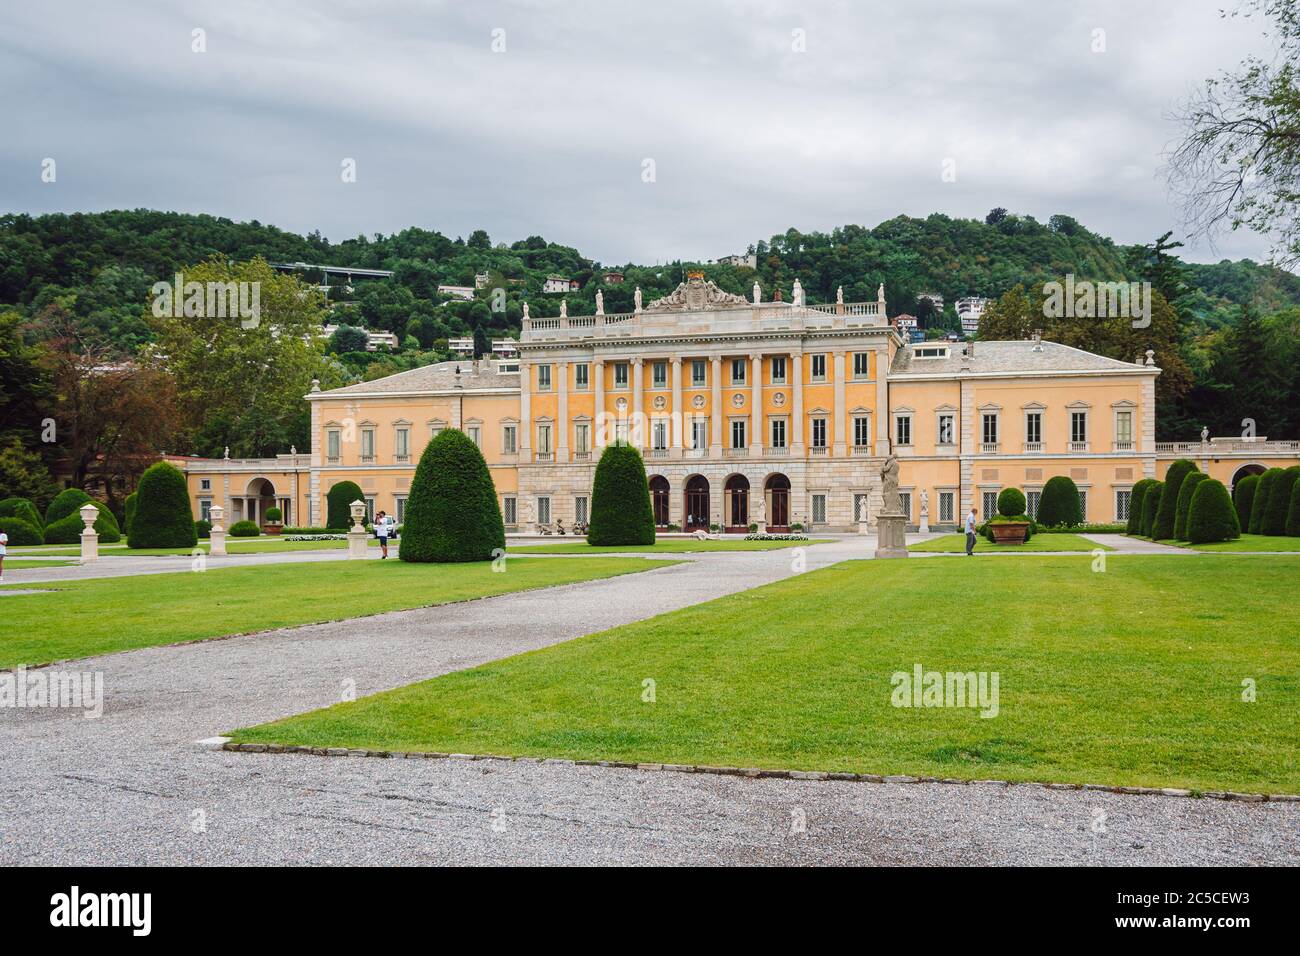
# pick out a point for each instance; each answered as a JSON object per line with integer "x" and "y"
{"x": 659, "y": 499}
{"x": 1254, "y": 468}
{"x": 696, "y": 515}
{"x": 735, "y": 503}
{"x": 258, "y": 497}
{"x": 777, "y": 490}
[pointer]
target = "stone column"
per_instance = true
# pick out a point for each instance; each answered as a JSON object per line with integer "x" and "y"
{"x": 217, "y": 536}
{"x": 638, "y": 411}
{"x": 562, "y": 415}
{"x": 89, "y": 536}
{"x": 357, "y": 545}
{"x": 883, "y": 439}
{"x": 715, "y": 423}
{"x": 756, "y": 411}
{"x": 598, "y": 415}
{"x": 677, "y": 419}
{"x": 796, "y": 412}
{"x": 838, "y": 420}
{"x": 525, "y": 413}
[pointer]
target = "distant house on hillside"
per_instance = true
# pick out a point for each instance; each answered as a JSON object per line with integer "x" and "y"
{"x": 750, "y": 260}
{"x": 462, "y": 346}
{"x": 559, "y": 284}
{"x": 613, "y": 278}
{"x": 480, "y": 280}
{"x": 457, "y": 291}
{"x": 969, "y": 310}
{"x": 374, "y": 340}
{"x": 934, "y": 297}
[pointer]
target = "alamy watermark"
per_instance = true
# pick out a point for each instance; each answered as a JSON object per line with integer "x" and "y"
{"x": 1098, "y": 300}
{"x": 47, "y": 687}
{"x": 213, "y": 300}
{"x": 922, "y": 688}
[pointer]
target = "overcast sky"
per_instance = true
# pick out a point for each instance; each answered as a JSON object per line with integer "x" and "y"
{"x": 749, "y": 134}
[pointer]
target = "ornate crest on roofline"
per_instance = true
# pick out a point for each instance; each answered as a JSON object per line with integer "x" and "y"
{"x": 694, "y": 295}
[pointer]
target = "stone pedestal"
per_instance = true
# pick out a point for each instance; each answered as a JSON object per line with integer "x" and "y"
{"x": 925, "y": 521}
{"x": 863, "y": 528}
{"x": 89, "y": 536}
{"x": 357, "y": 543}
{"x": 217, "y": 536}
{"x": 892, "y": 540}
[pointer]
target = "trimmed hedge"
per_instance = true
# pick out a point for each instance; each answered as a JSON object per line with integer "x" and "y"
{"x": 1259, "y": 507}
{"x": 203, "y": 528}
{"x": 1243, "y": 496}
{"x": 67, "y": 530}
{"x": 24, "y": 509}
{"x": 21, "y": 531}
{"x": 1212, "y": 516}
{"x": 621, "y": 513}
{"x": 1293, "y": 512}
{"x": 66, "y": 502}
{"x": 1059, "y": 504}
{"x": 244, "y": 529}
{"x": 1134, "y": 525}
{"x": 1011, "y": 502}
{"x": 338, "y": 504}
{"x": 163, "y": 518}
{"x": 452, "y": 512}
{"x": 128, "y": 510}
{"x": 1185, "y": 492}
{"x": 1279, "y": 501}
{"x": 1150, "y": 506}
{"x": 1168, "y": 512}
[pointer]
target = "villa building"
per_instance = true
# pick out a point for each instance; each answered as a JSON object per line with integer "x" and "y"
{"x": 773, "y": 413}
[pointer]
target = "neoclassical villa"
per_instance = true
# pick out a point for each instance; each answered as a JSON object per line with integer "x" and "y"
{"x": 746, "y": 412}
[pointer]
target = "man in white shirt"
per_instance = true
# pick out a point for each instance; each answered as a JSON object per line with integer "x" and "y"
{"x": 970, "y": 532}
{"x": 383, "y": 528}
{"x": 4, "y": 547}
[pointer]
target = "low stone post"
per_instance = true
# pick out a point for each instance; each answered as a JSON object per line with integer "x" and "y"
{"x": 357, "y": 544}
{"x": 89, "y": 536}
{"x": 217, "y": 536}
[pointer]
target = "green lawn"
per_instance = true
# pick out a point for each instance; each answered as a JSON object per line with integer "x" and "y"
{"x": 1249, "y": 542}
{"x": 259, "y": 545}
{"x": 952, "y": 543}
{"x": 100, "y": 616}
{"x": 1128, "y": 677}
{"x": 12, "y": 564}
{"x": 664, "y": 546}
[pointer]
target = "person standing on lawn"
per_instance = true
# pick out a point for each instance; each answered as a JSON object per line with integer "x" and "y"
{"x": 4, "y": 546}
{"x": 383, "y": 528}
{"x": 970, "y": 532}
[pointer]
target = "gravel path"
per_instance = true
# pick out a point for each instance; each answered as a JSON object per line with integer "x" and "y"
{"x": 133, "y": 787}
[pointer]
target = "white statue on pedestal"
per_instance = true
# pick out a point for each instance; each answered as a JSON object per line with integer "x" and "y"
{"x": 564, "y": 308}
{"x": 839, "y": 295}
{"x": 925, "y": 512}
{"x": 796, "y": 295}
{"x": 525, "y": 310}
{"x": 600, "y": 303}
{"x": 636, "y": 299}
{"x": 758, "y": 293}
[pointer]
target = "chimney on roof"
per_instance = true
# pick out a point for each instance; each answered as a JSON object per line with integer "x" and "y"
{"x": 457, "y": 379}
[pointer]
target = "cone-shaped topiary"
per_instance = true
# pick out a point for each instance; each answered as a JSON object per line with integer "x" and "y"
{"x": 65, "y": 503}
{"x": 1185, "y": 492}
{"x": 1279, "y": 501}
{"x": 21, "y": 531}
{"x": 1150, "y": 506}
{"x": 621, "y": 513}
{"x": 338, "y": 504}
{"x": 1164, "y": 524}
{"x": 22, "y": 508}
{"x": 1059, "y": 505}
{"x": 1135, "y": 505}
{"x": 1293, "y": 512}
{"x": 452, "y": 513}
{"x": 1259, "y": 507}
{"x": 128, "y": 511}
{"x": 1011, "y": 502}
{"x": 163, "y": 518}
{"x": 1211, "y": 516}
{"x": 1243, "y": 496}
{"x": 67, "y": 530}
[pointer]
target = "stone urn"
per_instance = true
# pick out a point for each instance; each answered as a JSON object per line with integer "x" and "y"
{"x": 1009, "y": 532}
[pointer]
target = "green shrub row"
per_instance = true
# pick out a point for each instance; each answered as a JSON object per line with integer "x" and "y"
{"x": 21, "y": 532}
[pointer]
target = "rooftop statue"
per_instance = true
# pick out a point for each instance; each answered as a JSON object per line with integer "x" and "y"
{"x": 694, "y": 295}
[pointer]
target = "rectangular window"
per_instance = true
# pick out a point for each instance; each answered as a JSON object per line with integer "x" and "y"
{"x": 1083, "y": 504}
{"x": 205, "y": 509}
{"x": 580, "y": 510}
{"x": 367, "y": 444}
{"x": 510, "y": 510}
{"x": 475, "y": 434}
{"x": 205, "y": 484}
{"x": 1078, "y": 426}
{"x": 659, "y": 434}
{"x": 1033, "y": 428}
{"x": 819, "y": 509}
{"x": 700, "y": 433}
{"x": 738, "y": 367}
{"x": 543, "y": 510}
{"x": 861, "y": 365}
{"x": 399, "y": 505}
{"x": 620, "y": 375}
{"x": 861, "y": 507}
{"x": 543, "y": 378}
{"x": 947, "y": 429}
{"x": 990, "y": 504}
{"x": 1124, "y": 426}
{"x": 508, "y": 439}
{"x": 543, "y": 439}
{"x": 581, "y": 376}
{"x": 659, "y": 375}
{"x": 903, "y": 430}
{"x": 370, "y": 509}
{"x": 818, "y": 368}
{"x": 946, "y": 506}
{"x": 819, "y": 433}
{"x": 989, "y": 429}
{"x": 332, "y": 445}
{"x": 738, "y": 434}
{"x": 582, "y": 437}
{"x": 778, "y": 370}
{"x": 905, "y": 501}
{"x": 1031, "y": 503}
{"x": 435, "y": 428}
{"x": 1122, "y": 497}
{"x": 402, "y": 444}
{"x": 862, "y": 431}
{"x": 699, "y": 377}
{"x": 778, "y": 433}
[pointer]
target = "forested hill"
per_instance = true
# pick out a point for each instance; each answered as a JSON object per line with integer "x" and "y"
{"x": 100, "y": 266}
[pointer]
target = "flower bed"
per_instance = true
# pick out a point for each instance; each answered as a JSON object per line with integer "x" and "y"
{"x": 776, "y": 537}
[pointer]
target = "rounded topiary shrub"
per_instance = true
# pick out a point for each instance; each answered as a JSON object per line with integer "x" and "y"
{"x": 1293, "y": 512}
{"x": 1135, "y": 499}
{"x": 203, "y": 528}
{"x": 1259, "y": 507}
{"x": 1168, "y": 511}
{"x": 1011, "y": 502}
{"x": 67, "y": 530}
{"x": 244, "y": 529}
{"x": 1151, "y": 505}
{"x": 338, "y": 504}
{"x": 1211, "y": 515}
{"x": 128, "y": 511}
{"x": 21, "y": 531}
{"x": 65, "y": 503}
{"x": 24, "y": 509}
{"x": 1059, "y": 505}
{"x": 1185, "y": 492}
{"x": 1243, "y": 497}
{"x": 273, "y": 515}
{"x": 1279, "y": 501}
{"x": 452, "y": 512}
{"x": 163, "y": 518}
{"x": 621, "y": 513}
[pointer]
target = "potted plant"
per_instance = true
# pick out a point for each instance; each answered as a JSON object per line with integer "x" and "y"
{"x": 1010, "y": 525}
{"x": 273, "y": 523}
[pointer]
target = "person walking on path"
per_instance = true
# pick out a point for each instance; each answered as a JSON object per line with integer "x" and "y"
{"x": 4, "y": 547}
{"x": 970, "y": 533}
{"x": 383, "y": 528}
